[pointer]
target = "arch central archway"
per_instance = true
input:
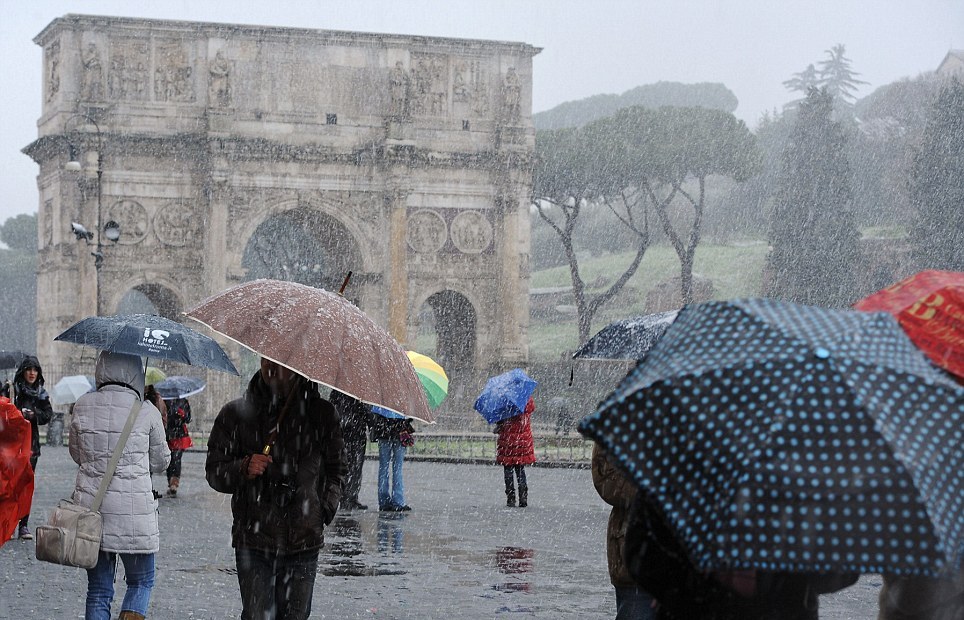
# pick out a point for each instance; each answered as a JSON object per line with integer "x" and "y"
{"x": 304, "y": 246}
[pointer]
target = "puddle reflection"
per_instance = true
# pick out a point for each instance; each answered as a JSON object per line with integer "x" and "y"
{"x": 514, "y": 561}
{"x": 390, "y": 533}
{"x": 344, "y": 551}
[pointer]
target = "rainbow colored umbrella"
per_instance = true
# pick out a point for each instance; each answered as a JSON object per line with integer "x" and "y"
{"x": 432, "y": 376}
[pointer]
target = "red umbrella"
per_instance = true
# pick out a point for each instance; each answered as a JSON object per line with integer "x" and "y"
{"x": 319, "y": 335}
{"x": 930, "y": 307}
{"x": 16, "y": 476}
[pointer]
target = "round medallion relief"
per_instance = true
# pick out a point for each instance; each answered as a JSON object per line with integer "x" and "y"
{"x": 172, "y": 225}
{"x": 471, "y": 232}
{"x": 426, "y": 231}
{"x": 133, "y": 220}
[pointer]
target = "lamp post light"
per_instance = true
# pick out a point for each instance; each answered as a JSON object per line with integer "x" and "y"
{"x": 111, "y": 230}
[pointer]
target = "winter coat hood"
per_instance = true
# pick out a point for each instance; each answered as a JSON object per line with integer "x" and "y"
{"x": 30, "y": 361}
{"x": 120, "y": 369}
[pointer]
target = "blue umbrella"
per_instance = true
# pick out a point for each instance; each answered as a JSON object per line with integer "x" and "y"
{"x": 387, "y": 413}
{"x": 628, "y": 339}
{"x": 505, "y": 396}
{"x": 775, "y": 436}
{"x": 149, "y": 336}
{"x": 178, "y": 386}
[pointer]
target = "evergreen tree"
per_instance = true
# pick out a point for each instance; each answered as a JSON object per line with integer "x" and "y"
{"x": 937, "y": 185}
{"x": 801, "y": 83}
{"x": 813, "y": 236}
{"x": 837, "y": 77}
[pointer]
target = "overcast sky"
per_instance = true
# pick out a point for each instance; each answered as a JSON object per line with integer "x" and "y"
{"x": 589, "y": 46}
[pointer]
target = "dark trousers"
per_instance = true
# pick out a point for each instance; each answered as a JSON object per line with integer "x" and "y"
{"x": 275, "y": 586}
{"x": 355, "y": 455}
{"x": 520, "y": 475}
{"x": 33, "y": 467}
{"x": 174, "y": 469}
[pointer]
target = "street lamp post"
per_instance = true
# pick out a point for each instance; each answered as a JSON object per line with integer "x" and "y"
{"x": 110, "y": 229}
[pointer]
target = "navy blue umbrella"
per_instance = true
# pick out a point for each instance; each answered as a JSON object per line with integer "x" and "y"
{"x": 628, "y": 339}
{"x": 149, "y": 336}
{"x": 775, "y": 436}
{"x": 179, "y": 386}
{"x": 505, "y": 396}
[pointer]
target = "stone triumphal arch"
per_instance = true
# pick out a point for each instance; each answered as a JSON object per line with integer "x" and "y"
{"x": 229, "y": 152}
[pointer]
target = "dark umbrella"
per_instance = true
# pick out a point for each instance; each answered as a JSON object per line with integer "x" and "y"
{"x": 149, "y": 336}
{"x": 775, "y": 436}
{"x": 628, "y": 339}
{"x": 178, "y": 386}
{"x": 11, "y": 359}
{"x": 505, "y": 396}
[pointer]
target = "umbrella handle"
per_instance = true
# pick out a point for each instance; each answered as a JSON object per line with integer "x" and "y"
{"x": 344, "y": 285}
{"x": 273, "y": 435}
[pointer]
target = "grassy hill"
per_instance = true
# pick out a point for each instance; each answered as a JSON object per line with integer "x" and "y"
{"x": 735, "y": 270}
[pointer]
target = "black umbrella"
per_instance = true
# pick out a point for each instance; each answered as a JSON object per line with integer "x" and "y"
{"x": 628, "y": 339}
{"x": 11, "y": 359}
{"x": 149, "y": 336}
{"x": 774, "y": 436}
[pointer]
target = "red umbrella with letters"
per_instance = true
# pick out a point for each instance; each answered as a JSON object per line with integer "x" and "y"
{"x": 930, "y": 307}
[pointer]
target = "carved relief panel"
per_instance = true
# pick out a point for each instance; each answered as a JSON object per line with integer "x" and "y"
{"x": 92, "y": 80}
{"x": 471, "y": 232}
{"x": 449, "y": 231}
{"x": 426, "y": 232}
{"x": 133, "y": 220}
{"x": 130, "y": 61}
{"x": 174, "y": 224}
{"x": 429, "y": 85}
{"x": 52, "y": 70}
{"x": 470, "y": 86}
{"x": 173, "y": 74}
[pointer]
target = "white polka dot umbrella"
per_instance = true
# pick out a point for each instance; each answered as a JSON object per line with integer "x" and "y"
{"x": 775, "y": 436}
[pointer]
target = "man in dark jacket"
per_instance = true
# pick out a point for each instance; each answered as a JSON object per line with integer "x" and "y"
{"x": 278, "y": 451}
{"x": 354, "y": 416}
{"x": 32, "y": 400}
{"x": 632, "y": 602}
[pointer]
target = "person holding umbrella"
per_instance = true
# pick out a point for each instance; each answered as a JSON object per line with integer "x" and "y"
{"x": 130, "y": 528}
{"x": 506, "y": 401}
{"x": 514, "y": 450}
{"x": 278, "y": 451}
{"x": 32, "y": 400}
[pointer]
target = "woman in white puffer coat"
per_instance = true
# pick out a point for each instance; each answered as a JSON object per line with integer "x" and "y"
{"x": 128, "y": 508}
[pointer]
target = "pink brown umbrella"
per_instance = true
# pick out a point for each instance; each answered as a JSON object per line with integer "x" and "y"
{"x": 320, "y": 335}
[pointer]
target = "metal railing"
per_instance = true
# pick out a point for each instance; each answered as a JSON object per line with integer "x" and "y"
{"x": 471, "y": 447}
{"x": 561, "y": 450}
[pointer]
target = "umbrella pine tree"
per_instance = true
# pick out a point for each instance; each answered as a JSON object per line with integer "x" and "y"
{"x": 813, "y": 236}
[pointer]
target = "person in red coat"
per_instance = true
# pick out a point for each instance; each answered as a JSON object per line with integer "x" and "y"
{"x": 515, "y": 450}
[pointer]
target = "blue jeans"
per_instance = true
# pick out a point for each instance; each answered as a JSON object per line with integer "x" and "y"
{"x": 634, "y": 604}
{"x": 390, "y": 453}
{"x": 276, "y": 586}
{"x": 139, "y": 575}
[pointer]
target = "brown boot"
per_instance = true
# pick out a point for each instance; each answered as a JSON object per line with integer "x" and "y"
{"x": 172, "y": 485}
{"x": 129, "y": 615}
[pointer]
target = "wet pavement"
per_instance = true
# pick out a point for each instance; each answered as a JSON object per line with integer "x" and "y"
{"x": 459, "y": 554}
